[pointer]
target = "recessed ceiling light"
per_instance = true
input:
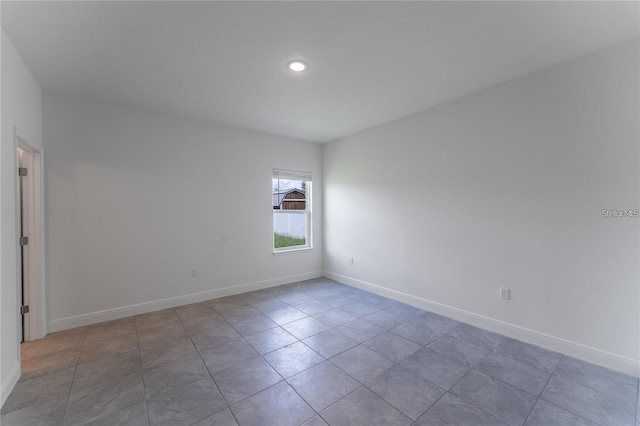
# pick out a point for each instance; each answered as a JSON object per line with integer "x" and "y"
{"x": 297, "y": 66}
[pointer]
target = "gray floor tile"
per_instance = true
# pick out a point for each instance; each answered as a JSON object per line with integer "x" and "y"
{"x": 360, "y": 330}
{"x": 54, "y": 342}
{"x": 186, "y": 405}
{"x": 131, "y": 415}
{"x": 365, "y": 408}
{"x": 534, "y": 356}
{"x": 40, "y": 400}
{"x": 598, "y": 378}
{"x": 245, "y": 379}
{"x": 319, "y": 292}
{"x": 392, "y": 346}
{"x": 545, "y": 414}
{"x": 334, "y": 317}
{"x": 362, "y": 363}
{"x": 358, "y": 309}
{"x": 440, "y": 324}
{"x": 305, "y": 327}
{"x": 417, "y": 331}
{"x": 208, "y": 338}
{"x": 355, "y": 293}
{"x": 48, "y": 362}
{"x": 510, "y": 371}
{"x": 322, "y": 385}
{"x": 253, "y": 325}
{"x": 458, "y": 350}
{"x": 196, "y": 325}
{"x": 277, "y": 291}
{"x": 313, "y": 307}
{"x": 110, "y": 329}
{"x": 335, "y": 301}
{"x": 47, "y": 412}
{"x": 286, "y": 315}
{"x": 436, "y": 368}
{"x": 227, "y": 352}
{"x": 404, "y": 312}
{"x": 301, "y": 286}
{"x": 376, "y": 301}
{"x": 166, "y": 350}
{"x": 108, "y": 359}
{"x": 477, "y": 337}
{"x": 259, "y": 296}
{"x": 270, "y": 306}
{"x": 108, "y": 384}
{"x": 329, "y": 343}
{"x": 199, "y": 310}
{"x": 293, "y": 359}
{"x": 451, "y": 410}
{"x": 95, "y": 373}
{"x": 107, "y": 347}
{"x": 227, "y": 304}
{"x": 147, "y": 336}
{"x": 172, "y": 374}
{"x": 382, "y": 319}
{"x": 221, "y": 418}
{"x": 243, "y": 313}
{"x": 89, "y": 403}
{"x": 295, "y": 298}
{"x": 277, "y": 405}
{"x": 499, "y": 399}
{"x": 593, "y": 405}
{"x": 270, "y": 340}
{"x": 315, "y": 421}
{"x": 165, "y": 317}
{"x": 406, "y": 391}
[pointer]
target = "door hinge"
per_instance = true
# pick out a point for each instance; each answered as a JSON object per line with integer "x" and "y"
{"x": 24, "y": 241}
{"x": 22, "y": 171}
{"x": 24, "y": 309}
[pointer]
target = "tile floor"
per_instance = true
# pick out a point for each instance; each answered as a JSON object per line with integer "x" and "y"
{"x": 313, "y": 353}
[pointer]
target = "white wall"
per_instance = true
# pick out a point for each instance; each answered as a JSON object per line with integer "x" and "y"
{"x": 22, "y": 111}
{"x": 137, "y": 198}
{"x": 504, "y": 188}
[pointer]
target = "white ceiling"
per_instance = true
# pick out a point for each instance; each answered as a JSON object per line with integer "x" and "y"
{"x": 369, "y": 62}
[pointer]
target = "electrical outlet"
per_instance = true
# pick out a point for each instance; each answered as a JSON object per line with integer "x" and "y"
{"x": 194, "y": 273}
{"x": 505, "y": 293}
{"x": 351, "y": 261}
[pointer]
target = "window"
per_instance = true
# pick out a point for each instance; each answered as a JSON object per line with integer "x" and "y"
{"x": 291, "y": 195}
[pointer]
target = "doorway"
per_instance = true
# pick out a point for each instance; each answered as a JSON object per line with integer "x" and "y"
{"x": 30, "y": 263}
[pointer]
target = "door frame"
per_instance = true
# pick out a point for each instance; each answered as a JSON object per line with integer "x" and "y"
{"x": 35, "y": 249}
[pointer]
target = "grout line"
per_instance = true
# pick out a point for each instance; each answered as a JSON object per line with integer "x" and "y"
{"x": 282, "y": 377}
{"x": 470, "y": 369}
{"x": 331, "y": 405}
{"x": 543, "y": 389}
{"x": 270, "y": 366}
{"x": 562, "y": 408}
{"x": 207, "y": 368}
{"x": 469, "y": 402}
{"x": 144, "y": 384}
{"x": 66, "y": 404}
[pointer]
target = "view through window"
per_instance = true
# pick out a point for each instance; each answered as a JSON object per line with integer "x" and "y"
{"x": 291, "y": 193}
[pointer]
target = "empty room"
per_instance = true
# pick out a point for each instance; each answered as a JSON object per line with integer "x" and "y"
{"x": 320, "y": 213}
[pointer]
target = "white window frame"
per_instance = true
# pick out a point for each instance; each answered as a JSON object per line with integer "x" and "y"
{"x": 301, "y": 176}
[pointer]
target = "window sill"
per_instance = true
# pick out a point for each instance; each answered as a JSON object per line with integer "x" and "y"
{"x": 292, "y": 250}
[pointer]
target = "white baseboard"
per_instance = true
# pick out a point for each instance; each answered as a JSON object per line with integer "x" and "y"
{"x": 9, "y": 383}
{"x": 156, "y": 305}
{"x": 596, "y": 356}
